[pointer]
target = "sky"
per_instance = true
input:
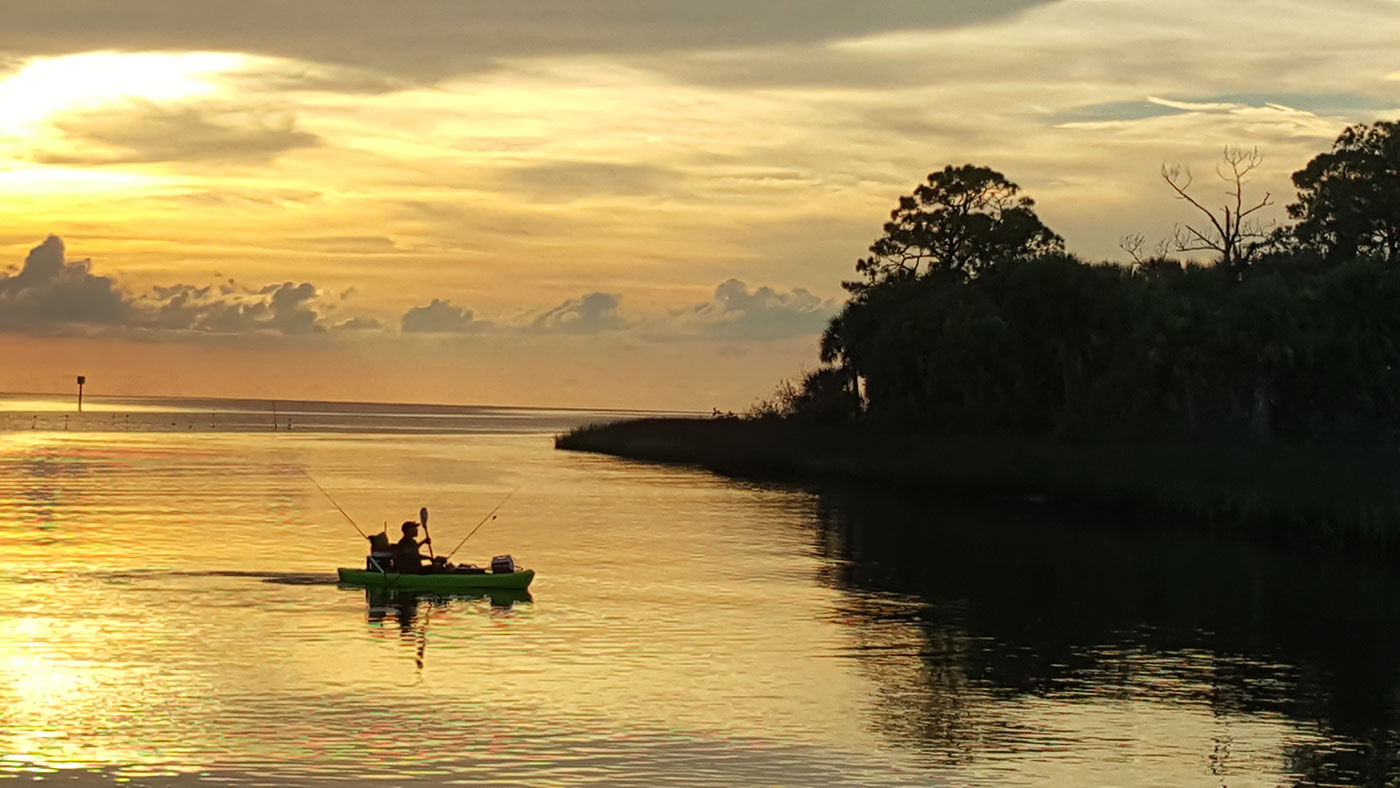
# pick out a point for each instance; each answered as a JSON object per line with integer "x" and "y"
{"x": 589, "y": 203}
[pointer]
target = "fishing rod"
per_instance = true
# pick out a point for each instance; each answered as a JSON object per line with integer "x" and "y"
{"x": 333, "y": 503}
{"x": 491, "y": 515}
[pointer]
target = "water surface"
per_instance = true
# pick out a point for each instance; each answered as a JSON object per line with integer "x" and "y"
{"x": 171, "y": 616}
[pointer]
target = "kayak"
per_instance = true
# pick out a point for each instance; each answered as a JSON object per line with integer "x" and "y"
{"x": 445, "y": 582}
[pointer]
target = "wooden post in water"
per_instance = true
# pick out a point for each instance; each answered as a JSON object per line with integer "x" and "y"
{"x": 81, "y": 380}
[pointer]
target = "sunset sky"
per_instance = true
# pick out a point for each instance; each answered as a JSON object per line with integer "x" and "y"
{"x": 583, "y": 202}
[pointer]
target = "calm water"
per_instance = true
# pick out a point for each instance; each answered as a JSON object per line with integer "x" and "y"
{"x": 170, "y": 616}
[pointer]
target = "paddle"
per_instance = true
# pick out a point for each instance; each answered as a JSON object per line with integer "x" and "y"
{"x": 423, "y": 516}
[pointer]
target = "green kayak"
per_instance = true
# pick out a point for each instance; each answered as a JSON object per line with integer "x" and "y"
{"x": 446, "y": 582}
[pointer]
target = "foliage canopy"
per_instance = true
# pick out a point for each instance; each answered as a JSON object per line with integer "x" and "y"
{"x": 1349, "y": 198}
{"x": 961, "y": 221}
{"x": 971, "y": 318}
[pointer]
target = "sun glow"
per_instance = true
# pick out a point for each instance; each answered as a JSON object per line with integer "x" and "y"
{"x": 45, "y": 86}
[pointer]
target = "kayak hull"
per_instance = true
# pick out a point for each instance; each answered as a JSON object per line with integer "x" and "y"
{"x": 446, "y": 582}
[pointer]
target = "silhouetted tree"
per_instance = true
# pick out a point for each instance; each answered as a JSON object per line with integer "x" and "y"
{"x": 963, "y": 220}
{"x": 1135, "y": 245}
{"x": 1349, "y": 198}
{"x": 1069, "y": 318}
{"x": 971, "y": 319}
{"x": 1176, "y": 340}
{"x": 1233, "y": 235}
{"x": 828, "y": 395}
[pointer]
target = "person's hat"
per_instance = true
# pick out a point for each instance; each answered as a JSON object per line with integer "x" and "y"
{"x": 408, "y": 525}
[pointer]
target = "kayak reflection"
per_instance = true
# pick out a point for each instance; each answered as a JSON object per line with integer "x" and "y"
{"x": 412, "y": 611}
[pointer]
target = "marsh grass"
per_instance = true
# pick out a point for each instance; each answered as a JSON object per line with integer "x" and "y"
{"x": 1328, "y": 497}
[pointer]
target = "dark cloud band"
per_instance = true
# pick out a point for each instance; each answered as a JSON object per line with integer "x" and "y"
{"x": 429, "y": 39}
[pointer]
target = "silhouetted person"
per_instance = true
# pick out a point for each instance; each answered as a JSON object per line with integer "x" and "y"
{"x": 407, "y": 559}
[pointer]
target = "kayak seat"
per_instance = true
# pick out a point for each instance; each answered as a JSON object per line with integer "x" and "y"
{"x": 381, "y": 554}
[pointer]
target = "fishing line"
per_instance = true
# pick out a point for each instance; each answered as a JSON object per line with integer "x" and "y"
{"x": 333, "y": 503}
{"x": 488, "y": 516}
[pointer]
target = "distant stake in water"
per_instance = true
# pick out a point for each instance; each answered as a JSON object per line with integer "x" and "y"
{"x": 81, "y": 380}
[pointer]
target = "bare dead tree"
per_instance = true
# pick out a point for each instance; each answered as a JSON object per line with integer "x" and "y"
{"x": 1164, "y": 248}
{"x": 1233, "y": 234}
{"x": 1133, "y": 244}
{"x": 1160, "y": 259}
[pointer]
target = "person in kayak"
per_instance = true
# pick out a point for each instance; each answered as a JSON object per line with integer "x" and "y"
{"x": 407, "y": 559}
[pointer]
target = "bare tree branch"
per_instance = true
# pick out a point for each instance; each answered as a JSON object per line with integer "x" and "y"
{"x": 1132, "y": 244}
{"x": 1236, "y": 240}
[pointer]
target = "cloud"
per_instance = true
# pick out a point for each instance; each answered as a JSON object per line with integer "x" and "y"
{"x": 359, "y": 324}
{"x": 429, "y": 39}
{"x": 1221, "y": 105}
{"x": 799, "y": 65}
{"x": 285, "y": 308}
{"x": 780, "y": 186}
{"x": 245, "y": 198}
{"x": 143, "y": 133}
{"x": 283, "y": 76}
{"x": 349, "y": 244}
{"x": 1192, "y": 106}
{"x": 441, "y": 317}
{"x": 591, "y": 314}
{"x": 565, "y": 181}
{"x": 51, "y": 294}
{"x": 736, "y": 313}
{"x": 1112, "y": 111}
{"x": 50, "y": 290}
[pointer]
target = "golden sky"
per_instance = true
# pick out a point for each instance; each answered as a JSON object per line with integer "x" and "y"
{"x": 603, "y": 203}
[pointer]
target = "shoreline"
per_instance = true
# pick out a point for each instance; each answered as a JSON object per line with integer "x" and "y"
{"x": 1331, "y": 498}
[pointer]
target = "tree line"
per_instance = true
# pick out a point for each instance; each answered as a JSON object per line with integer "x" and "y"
{"x": 969, "y": 315}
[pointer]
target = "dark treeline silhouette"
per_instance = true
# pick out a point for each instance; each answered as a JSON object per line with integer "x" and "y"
{"x": 1258, "y": 390}
{"x": 969, "y": 316}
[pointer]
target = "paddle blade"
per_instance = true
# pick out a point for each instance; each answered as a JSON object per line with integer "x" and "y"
{"x": 423, "y": 516}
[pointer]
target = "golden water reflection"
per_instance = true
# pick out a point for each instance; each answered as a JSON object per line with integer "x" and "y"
{"x": 171, "y": 608}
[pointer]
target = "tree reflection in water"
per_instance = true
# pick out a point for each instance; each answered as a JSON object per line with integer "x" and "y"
{"x": 955, "y": 609}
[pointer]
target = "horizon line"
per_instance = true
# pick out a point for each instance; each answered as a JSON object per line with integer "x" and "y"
{"x": 340, "y": 402}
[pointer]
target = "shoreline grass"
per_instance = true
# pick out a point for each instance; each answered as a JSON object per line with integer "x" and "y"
{"x": 1314, "y": 497}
